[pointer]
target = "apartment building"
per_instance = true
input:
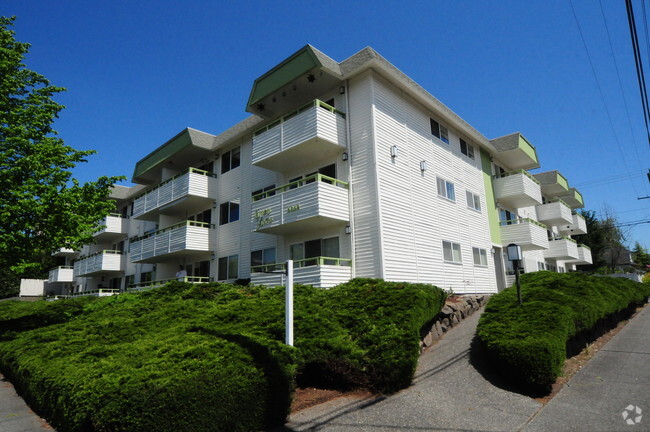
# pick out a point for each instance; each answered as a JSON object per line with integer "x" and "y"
{"x": 350, "y": 169}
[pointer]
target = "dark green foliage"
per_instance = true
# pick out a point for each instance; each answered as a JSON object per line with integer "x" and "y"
{"x": 529, "y": 342}
{"x": 207, "y": 357}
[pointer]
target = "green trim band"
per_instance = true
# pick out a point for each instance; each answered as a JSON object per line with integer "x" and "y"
{"x": 521, "y": 221}
{"x": 182, "y": 173}
{"x": 515, "y": 172}
{"x": 307, "y": 262}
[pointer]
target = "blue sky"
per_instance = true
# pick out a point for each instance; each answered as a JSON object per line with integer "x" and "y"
{"x": 138, "y": 72}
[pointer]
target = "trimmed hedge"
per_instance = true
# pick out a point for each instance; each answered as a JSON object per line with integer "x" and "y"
{"x": 207, "y": 357}
{"x": 529, "y": 343}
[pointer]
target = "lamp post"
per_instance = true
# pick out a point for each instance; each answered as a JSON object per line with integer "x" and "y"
{"x": 514, "y": 255}
{"x": 288, "y": 310}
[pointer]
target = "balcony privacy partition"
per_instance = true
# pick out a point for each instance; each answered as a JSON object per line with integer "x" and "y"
{"x": 313, "y": 203}
{"x": 99, "y": 262}
{"x": 516, "y": 189}
{"x": 527, "y": 233}
{"x": 191, "y": 190}
{"x": 187, "y": 238}
{"x": 312, "y": 133}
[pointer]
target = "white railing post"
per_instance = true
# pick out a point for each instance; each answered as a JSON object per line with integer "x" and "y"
{"x": 289, "y": 304}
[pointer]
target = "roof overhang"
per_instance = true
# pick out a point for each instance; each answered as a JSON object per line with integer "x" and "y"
{"x": 516, "y": 152}
{"x": 300, "y": 78}
{"x": 181, "y": 151}
{"x": 553, "y": 183}
{"x": 573, "y": 198}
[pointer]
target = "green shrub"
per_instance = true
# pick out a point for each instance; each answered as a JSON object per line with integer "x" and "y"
{"x": 528, "y": 343}
{"x": 187, "y": 357}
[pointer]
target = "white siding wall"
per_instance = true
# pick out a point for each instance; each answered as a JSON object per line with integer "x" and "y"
{"x": 414, "y": 219}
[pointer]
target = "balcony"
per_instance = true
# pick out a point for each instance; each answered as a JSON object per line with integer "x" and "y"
{"x": 577, "y": 226}
{"x": 574, "y": 199}
{"x": 186, "y": 239}
{"x": 322, "y": 272}
{"x": 516, "y": 152}
{"x": 313, "y": 203}
{"x": 115, "y": 226}
{"x": 516, "y": 189}
{"x": 584, "y": 256}
{"x": 553, "y": 183}
{"x": 527, "y": 233}
{"x": 187, "y": 192}
{"x": 561, "y": 248}
{"x": 157, "y": 283}
{"x": 102, "y": 292}
{"x": 65, "y": 252}
{"x": 554, "y": 213}
{"x": 61, "y": 274}
{"x": 309, "y": 134}
{"x": 106, "y": 261}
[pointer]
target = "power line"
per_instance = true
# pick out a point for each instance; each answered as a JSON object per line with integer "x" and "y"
{"x": 602, "y": 96}
{"x": 620, "y": 83}
{"x": 639, "y": 64}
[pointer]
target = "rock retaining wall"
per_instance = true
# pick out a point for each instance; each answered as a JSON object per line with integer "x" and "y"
{"x": 456, "y": 309}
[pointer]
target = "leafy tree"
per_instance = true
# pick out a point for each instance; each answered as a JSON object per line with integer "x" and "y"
{"x": 42, "y": 207}
{"x": 640, "y": 255}
{"x": 604, "y": 238}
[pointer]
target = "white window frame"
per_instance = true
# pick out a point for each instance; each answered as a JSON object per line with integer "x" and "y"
{"x": 444, "y": 186}
{"x": 482, "y": 257}
{"x": 473, "y": 201}
{"x": 439, "y": 131}
{"x": 451, "y": 252}
{"x": 229, "y": 261}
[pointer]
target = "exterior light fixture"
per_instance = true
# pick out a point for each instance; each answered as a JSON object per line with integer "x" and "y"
{"x": 342, "y": 90}
{"x": 348, "y": 229}
{"x": 344, "y": 156}
{"x": 423, "y": 166}
{"x": 394, "y": 151}
{"x": 514, "y": 255}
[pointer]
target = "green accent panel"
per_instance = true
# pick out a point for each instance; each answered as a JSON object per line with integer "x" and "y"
{"x": 173, "y": 146}
{"x": 562, "y": 181}
{"x": 528, "y": 148}
{"x": 578, "y": 197}
{"x": 283, "y": 74}
{"x": 490, "y": 201}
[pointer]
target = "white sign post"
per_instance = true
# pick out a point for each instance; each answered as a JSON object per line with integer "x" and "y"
{"x": 289, "y": 305}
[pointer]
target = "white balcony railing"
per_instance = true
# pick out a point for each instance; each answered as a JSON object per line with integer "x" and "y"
{"x": 576, "y": 227}
{"x": 313, "y": 132}
{"x": 195, "y": 187}
{"x": 153, "y": 284}
{"x": 323, "y": 272}
{"x": 315, "y": 202}
{"x": 113, "y": 226}
{"x": 102, "y": 292}
{"x": 185, "y": 238}
{"x": 561, "y": 248}
{"x": 99, "y": 262}
{"x": 61, "y": 274}
{"x": 527, "y": 233}
{"x": 554, "y": 213}
{"x": 516, "y": 189}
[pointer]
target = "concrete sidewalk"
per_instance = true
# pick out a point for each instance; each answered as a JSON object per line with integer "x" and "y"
{"x": 450, "y": 394}
{"x": 15, "y": 415}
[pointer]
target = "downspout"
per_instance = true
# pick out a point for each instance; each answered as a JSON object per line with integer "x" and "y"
{"x": 348, "y": 138}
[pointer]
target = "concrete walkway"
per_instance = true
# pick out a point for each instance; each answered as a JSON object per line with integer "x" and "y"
{"x": 450, "y": 394}
{"x": 15, "y": 415}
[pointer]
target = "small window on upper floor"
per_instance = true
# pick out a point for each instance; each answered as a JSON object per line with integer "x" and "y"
{"x": 230, "y": 160}
{"x": 439, "y": 131}
{"x": 228, "y": 212}
{"x": 466, "y": 149}
{"x": 446, "y": 189}
{"x": 451, "y": 252}
{"x": 473, "y": 201}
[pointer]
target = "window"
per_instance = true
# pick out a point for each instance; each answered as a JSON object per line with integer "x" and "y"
{"x": 466, "y": 149}
{"x": 230, "y": 160}
{"x": 209, "y": 167}
{"x": 451, "y": 252}
{"x": 204, "y": 216}
{"x": 507, "y": 216}
{"x": 480, "y": 257}
{"x": 446, "y": 189}
{"x": 439, "y": 131}
{"x": 228, "y": 212}
{"x": 263, "y": 257}
{"x": 229, "y": 267}
{"x": 540, "y": 265}
{"x": 262, "y": 191}
{"x": 302, "y": 252}
{"x": 473, "y": 201}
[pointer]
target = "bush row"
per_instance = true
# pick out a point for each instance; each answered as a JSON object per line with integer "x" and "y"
{"x": 528, "y": 343}
{"x": 207, "y": 357}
